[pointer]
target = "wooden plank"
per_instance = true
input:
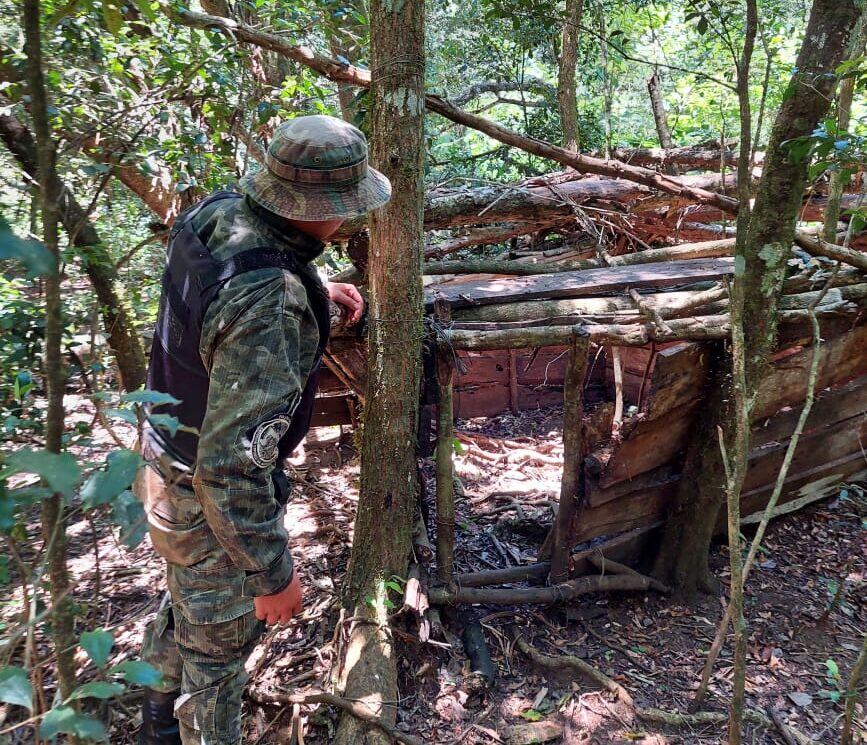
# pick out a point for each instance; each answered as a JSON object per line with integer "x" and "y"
{"x": 482, "y": 399}
{"x": 634, "y": 510}
{"x": 597, "y": 495}
{"x": 483, "y": 367}
{"x": 678, "y": 377}
{"x": 815, "y": 449}
{"x": 547, "y": 366}
{"x": 842, "y": 359}
{"x": 584, "y": 283}
{"x": 830, "y": 406}
{"x": 649, "y": 445}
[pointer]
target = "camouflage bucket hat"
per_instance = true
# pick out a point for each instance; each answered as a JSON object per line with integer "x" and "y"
{"x": 316, "y": 169}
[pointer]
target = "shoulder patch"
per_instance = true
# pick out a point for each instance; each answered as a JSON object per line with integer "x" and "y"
{"x": 264, "y": 444}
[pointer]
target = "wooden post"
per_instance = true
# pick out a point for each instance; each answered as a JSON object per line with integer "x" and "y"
{"x": 571, "y": 485}
{"x": 513, "y": 381}
{"x": 445, "y": 447}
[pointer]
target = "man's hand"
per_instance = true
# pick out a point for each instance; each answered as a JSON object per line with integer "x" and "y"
{"x": 281, "y": 606}
{"x": 346, "y": 294}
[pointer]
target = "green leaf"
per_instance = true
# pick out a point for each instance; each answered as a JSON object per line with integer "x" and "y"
{"x": 155, "y": 398}
{"x": 104, "y": 486}
{"x": 59, "y": 470}
{"x": 65, "y": 720}
{"x": 128, "y": 513}
{"x": 15, "y": 687}
{"x": 138, "y": 672}
{"x": 38, "y": 259}
{"x": 531, "y": 715}
{"x": 97, "y": 644}
{"x": 833, "y": 670}
{"x": 97, "y": 689}
{"x": 123, "y": 414}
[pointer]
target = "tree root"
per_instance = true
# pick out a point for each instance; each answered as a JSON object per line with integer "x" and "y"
{"x": 570, "y": 663}
{"x": 675, "y": 719}
{"x": 354, "y": 708}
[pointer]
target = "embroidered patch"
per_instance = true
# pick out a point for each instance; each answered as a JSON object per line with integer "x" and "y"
{"x": 266, "y": 438}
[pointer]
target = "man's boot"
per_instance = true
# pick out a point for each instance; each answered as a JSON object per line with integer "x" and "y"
{"x": 158, "y": 725}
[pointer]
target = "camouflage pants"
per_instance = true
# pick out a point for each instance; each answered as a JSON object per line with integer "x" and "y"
{"x": 202, "y": 638}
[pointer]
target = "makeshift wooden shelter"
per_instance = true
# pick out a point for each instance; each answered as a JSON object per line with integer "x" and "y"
{"x": 621, "y": 342}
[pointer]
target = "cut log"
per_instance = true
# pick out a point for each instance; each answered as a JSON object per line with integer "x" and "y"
{"x": 584, "y": 283}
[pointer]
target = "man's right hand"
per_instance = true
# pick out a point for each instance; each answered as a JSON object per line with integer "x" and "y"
{"x": 281, "y": 606}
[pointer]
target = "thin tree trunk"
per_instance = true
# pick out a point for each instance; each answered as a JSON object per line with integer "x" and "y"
{"x": 682, "y": 560}
{"x": 660, "y": 118}
{"x": 737, "y": 451}
{"x": 567, "y": 100}
{"x": 844, "y": 115}
{"x": 53, "y": 519}
{"x": 383, "y": 526}
{"x": 607, "y": 93}
{"x": 117, "y": 317}
{"x": 852, "y": 693}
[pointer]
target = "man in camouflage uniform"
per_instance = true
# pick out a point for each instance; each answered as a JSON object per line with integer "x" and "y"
{"x": 216, "y": 514}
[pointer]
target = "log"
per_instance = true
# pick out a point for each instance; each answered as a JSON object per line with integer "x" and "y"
{"x": 705, "y": 327}
{"x": 701, "y": 250}
{"x": 695, "y": 157}
{"x": 559, "y": 593}
{"x": 496, "y": 234}
{"x": 583, "y": 283}
{"x": 815, "y": 246}
{"x": 571, "y": 482}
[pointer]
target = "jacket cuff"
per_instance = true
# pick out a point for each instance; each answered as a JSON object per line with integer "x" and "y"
{"x": 268, "y": 581}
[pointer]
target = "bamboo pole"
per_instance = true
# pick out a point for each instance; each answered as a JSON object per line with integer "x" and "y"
{"x": 445, "y": 494}
{"x": 571, "y": 483}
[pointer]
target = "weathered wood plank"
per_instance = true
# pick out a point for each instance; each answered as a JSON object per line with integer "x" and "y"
{"x": 584, "y": 283}
{"x": 843, "y": 359}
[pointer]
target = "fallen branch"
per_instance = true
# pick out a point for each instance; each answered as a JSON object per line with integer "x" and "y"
{"x": 815, "y": 246}
{"x": 607, "y": 565}
{"x": 355, "y": 708}
{"x": 525, "y": 595}
{"x": 701, "y": 718}
{"x": 570, "y": 663}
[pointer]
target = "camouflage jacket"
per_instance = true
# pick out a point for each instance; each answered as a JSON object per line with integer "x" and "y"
{"x": 258, "y": 343}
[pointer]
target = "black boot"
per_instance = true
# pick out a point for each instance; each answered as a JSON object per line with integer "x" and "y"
{"x": 159, "y": 726}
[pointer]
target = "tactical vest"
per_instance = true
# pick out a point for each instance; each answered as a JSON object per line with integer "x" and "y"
{"x": 191, "y": 281}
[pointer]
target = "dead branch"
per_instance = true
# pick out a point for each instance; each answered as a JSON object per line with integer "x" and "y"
{"x": 526, "y": 595}
{"x": 355, "y": 708}
{"x": 701, "y": 718}
{"x": 572, "y": 664}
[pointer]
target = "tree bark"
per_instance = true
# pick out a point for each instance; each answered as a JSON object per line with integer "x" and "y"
{"x": 844, "y": 115}
{"x": 763, "y": 252}
{"x": 772, "y": 226}
{"x": 567, "y": 100}
{"x": 660, "y": 118}
{"x": 53, "y": 511}
{"x": 117, "y": 317}
{"x": 383, "y": 526}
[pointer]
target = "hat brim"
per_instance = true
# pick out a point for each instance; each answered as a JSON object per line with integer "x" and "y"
{"x": 321, "y": 202}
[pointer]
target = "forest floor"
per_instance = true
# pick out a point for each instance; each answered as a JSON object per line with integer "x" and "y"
{"x": 806, "y": 613}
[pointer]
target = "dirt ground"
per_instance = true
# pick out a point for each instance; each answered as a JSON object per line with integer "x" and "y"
{"x": 806, "y": 614}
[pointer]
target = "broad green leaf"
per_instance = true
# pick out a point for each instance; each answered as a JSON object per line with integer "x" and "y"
{"x": 155, "y": 398}
{"x": 112, "y": 16}
{"x": 104, "y": 486}
{"x": 97, "y": 644}
{"x": 531, "y": 715}
{"x": 833, "y": 670}
{"x": 129, "y": 515}
{"x": 136, "y": 671}
{"x": 59, "y": 470}
{"x": 123, "y": 414}
{"x": 65, "y": 720}
{"x": 38, "y": 259}
{"x": 97, "y": 689}
{"x": 15, "y": 687}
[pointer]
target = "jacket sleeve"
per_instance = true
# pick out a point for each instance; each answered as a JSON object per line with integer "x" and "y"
{"x": 254, "y": 388}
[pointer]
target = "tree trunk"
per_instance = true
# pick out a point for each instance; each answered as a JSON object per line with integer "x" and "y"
{"x": 660, "y": 118}
{"x": 53, "y": 518}
{"x": 123, "y": 339}
{"x": 772, "y": 226}
{"x": 844, "y": 115}
{"x": 567, "y": 100}
{"x": 387, "y": 500}
{"x": 682, "y": 559}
